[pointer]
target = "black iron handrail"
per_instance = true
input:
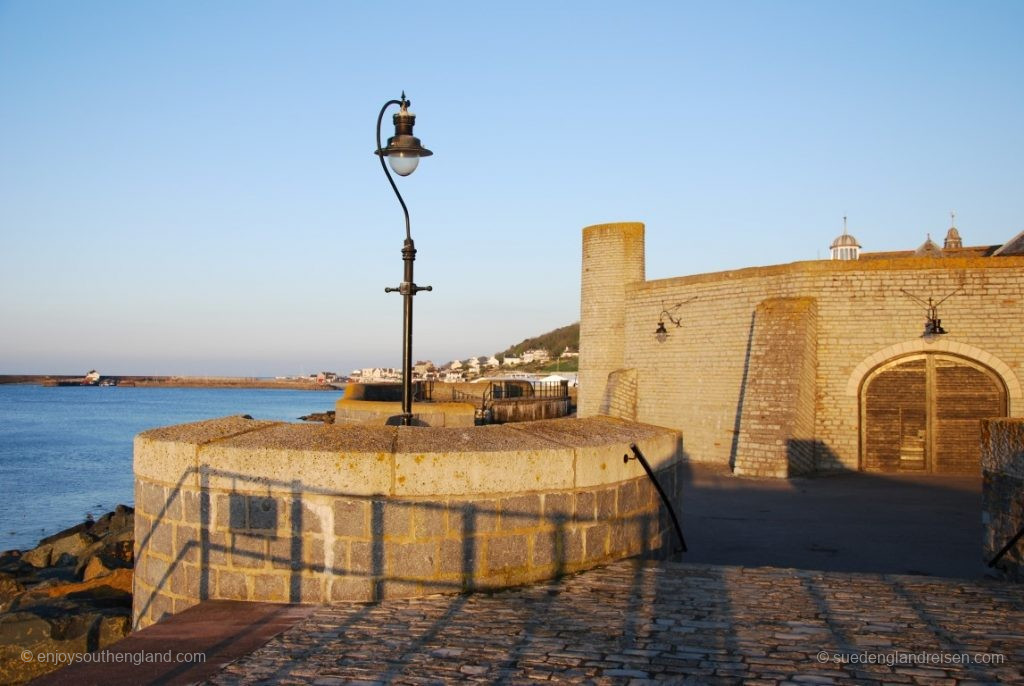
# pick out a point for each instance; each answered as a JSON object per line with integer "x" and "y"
{"x": 639, "y": 456}
{"x": 1006, "y": 548}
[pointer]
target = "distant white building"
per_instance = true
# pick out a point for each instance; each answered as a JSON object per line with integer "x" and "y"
{"x": 377, "y": 374}
{"x": 567, "y": 353}
{"x": 511, "y": 361}
{"x": 492, "y": 362}
{"x": 536, "y": 355}
{"x": 424, "y": 370}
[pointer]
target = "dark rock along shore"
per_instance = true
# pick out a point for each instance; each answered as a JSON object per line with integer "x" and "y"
{"x": 70, "y": 594}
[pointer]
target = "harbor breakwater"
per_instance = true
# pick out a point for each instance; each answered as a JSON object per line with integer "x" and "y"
{"x": 168, "y": 381}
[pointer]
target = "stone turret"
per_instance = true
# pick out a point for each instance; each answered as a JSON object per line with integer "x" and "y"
{"x": 952, "y": 236}
{"x": 613, "y": 258}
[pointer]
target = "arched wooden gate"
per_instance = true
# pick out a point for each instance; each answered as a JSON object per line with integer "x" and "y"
{"x": 922, "y": 413}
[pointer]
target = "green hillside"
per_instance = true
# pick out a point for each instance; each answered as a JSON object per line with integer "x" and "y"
{"x": 554, "y": 342}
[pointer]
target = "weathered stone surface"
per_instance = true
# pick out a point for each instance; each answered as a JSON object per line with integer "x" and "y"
{"x": 1002, "y": 446}
{"x": 39, "y": 556}
{"x": 101, "y": 565}
{"x": 114, "y": 584}
{"x": 57, "y": 625}
{"x": 661, "y": 622}
{"x": 63, "y": 548}
{"x": 9, "y": 586}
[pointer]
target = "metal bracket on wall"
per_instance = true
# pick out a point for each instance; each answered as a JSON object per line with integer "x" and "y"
{"x": 637, "y": 455}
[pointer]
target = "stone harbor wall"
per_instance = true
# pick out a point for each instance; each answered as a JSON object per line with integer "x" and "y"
{"x": 451, "y": 404}
{"x": 1002, "y": 463}
{"x": 266, "y": 511}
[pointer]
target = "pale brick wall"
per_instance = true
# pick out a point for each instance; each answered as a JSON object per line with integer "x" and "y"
{"x": 620, "y": 395}
{"x": 776, "y": 429}
{"x": 692, "y": 382}
{"x": 613, "y": 258}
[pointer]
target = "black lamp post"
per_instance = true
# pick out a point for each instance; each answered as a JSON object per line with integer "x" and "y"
{"x": 403, "y": 152}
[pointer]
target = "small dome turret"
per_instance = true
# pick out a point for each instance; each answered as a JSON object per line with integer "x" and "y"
{"x": 845, "y": 247}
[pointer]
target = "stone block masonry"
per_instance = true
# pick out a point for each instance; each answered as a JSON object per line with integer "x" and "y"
{"x": 613, "y": 259}
{"x": 241, "y": 509}
{"x": 1002, "y": 465}
{"x": 776, "y": 427}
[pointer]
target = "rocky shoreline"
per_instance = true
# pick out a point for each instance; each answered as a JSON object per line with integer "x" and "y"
{"x": 325, "y": 417}
{"x": 72, "y": 593}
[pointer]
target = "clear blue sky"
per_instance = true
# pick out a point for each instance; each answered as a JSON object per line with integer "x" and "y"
{"x": 188, "y": 187}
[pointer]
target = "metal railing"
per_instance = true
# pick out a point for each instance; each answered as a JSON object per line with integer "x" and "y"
{"x": 514, "y": 390}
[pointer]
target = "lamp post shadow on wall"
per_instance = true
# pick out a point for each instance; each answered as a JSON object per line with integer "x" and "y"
{"x": 403, "y": 152}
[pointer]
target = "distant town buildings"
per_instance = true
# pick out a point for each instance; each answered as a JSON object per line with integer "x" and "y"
{"x": 375, "y": 375}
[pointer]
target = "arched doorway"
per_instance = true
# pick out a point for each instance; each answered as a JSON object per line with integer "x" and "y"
{"x": 922, "y": 412}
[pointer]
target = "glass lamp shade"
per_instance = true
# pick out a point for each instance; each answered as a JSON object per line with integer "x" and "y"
{"x": 403, "y": 164}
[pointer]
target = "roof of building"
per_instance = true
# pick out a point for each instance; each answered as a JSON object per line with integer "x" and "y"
{"x": 844, "y": 241}
{"x": 1014, "y": 246}
{"x": 928, "y": 249}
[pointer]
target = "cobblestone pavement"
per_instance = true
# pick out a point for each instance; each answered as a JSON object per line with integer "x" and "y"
{"x": 634, "y": 623}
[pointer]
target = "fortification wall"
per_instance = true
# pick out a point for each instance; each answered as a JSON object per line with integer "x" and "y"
{"x": 242, "y": 509}
{"x": 698, "y": 381}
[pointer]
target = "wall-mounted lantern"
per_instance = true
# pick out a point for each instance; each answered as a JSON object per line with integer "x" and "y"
{"x": 661, "y": 333}
{"x": 932, "y": 324}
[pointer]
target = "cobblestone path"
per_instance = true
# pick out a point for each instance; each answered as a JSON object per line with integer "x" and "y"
{"x": 634, "y": 623}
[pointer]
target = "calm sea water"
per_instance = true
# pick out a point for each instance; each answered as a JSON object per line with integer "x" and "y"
{"x": 66, "y": 452}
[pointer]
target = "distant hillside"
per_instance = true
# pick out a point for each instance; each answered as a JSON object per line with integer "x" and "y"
{"x": 554, "y": 342}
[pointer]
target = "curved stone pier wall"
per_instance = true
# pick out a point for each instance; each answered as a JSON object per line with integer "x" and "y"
{"x": 242, "y": 509}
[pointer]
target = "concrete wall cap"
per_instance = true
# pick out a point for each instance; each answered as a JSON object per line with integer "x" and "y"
{"x": 198, "y": 433}
{"x": 636, "y": 228}
{"x": 493, "y": 438}
{"x": 591, "y": 431}
{"x": 317, "y": 437}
